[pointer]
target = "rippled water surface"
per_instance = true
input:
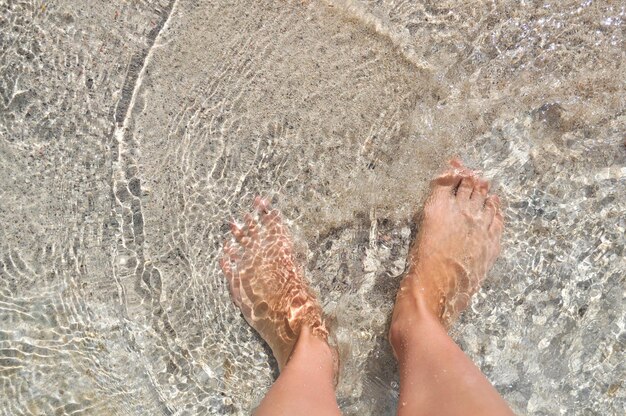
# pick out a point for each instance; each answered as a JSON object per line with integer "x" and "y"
{"x": 131, "y": 131}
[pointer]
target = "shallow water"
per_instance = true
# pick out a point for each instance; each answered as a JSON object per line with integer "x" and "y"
{"x": 130, "y": 132}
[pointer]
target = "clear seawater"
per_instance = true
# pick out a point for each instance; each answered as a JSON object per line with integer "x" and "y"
{"x": 132, "y": 131}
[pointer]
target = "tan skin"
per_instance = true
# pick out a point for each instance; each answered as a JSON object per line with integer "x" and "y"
{"x": 458, "y": 243}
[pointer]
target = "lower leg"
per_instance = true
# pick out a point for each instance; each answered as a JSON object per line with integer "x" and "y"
{"x": 458, "y": 243}
{"x": 436, "y": 377}
{"x": 306, "y": 384}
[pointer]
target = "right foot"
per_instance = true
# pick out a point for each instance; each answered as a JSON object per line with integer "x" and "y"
{"x": 458, "y": 242}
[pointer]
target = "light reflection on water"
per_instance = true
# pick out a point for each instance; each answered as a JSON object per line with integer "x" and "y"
{"x": 130, "y": 133}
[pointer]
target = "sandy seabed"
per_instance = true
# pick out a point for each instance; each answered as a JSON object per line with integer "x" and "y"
{"x": 131, "y": 131}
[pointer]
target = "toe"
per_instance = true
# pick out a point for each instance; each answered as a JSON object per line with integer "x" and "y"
{"x": 450, "y": 180}
{"x": 492, "y": 205}
{"x": 465, "y": 188}
{"x": 458, "y": 167}
{"x": 446, "y": 182}
{"x": 231, "y": 253}
{"x": 456, "y": 163}
{"x": 497, "y": 222}
{"x": 497, "y": 225}
{"x": 252, "y": 227}
{"x": 271, "y": 218}
{"x": 262, "y": 205}
{"x": 479, "y": 193}
{"x": 226, "y": 267}
{"x": 236, "y": 230}
{"x": 234, "y": 285}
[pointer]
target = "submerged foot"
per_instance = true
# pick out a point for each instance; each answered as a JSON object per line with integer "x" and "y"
{"x": 458, "y": 242}
{"x": 267, "y": 284}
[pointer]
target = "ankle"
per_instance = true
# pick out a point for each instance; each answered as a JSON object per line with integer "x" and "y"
{"x": 311, "y": 349}
{"x": 413, "y": 310}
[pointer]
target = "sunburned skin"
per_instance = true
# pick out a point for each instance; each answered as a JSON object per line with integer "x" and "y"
{"x": 267, "y": 284}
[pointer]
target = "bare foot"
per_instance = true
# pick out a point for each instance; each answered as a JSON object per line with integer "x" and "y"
{"x": 458, "y": 242}
{"x": 266, "y": 283}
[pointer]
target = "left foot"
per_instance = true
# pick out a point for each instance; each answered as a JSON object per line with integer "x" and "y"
{"x": 267, "y": 284}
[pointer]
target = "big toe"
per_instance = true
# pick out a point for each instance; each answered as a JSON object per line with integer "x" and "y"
{"x": 450, "y": 180}
{"x": 446, "y": 183}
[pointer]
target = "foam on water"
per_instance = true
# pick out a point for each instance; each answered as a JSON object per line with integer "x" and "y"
{"x": 131, "y": 132}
